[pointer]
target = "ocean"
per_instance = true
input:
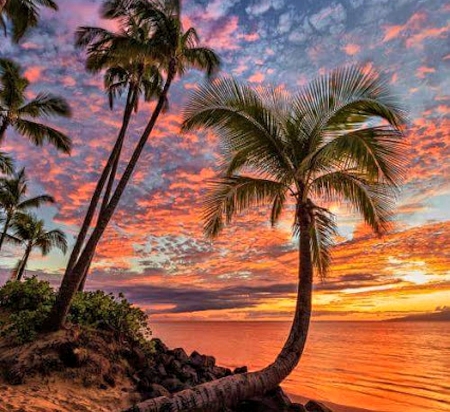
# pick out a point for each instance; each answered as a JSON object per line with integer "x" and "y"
{"x": 381, "y": 366}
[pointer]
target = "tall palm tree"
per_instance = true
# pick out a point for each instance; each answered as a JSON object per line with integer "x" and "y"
{"x": 134, "y": 74}
{"x": 19, "y": 113}
{"x": 23, "y": 15}
{"x": 31, "y": 232}
{"x": 13, "y": 200}
{"x": 336, "y": 140}
{"x": 175, "y": 50}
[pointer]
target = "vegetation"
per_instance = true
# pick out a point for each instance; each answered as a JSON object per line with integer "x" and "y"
{"x": 19, "y": 113}
{"x": 173, "y": 51}
{"x": 23, "y": 15}
{"x": 337, "y": 140}
{"x": 30, "y": 232}
{"x": 28, "y": 303}
{"x": 14, "y": 203}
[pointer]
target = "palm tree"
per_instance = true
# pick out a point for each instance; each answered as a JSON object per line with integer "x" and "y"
{"x": 336, "y": 140}
{"x": 175, "y": 51}
{"x": 13, "y": 201}
{"x": 31, "y": 232}
{"x": 135, "y": 74}
{"x": 22, "y": 14}
{"x": 18, "y": 113}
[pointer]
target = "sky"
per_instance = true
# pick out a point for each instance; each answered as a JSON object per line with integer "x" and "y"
{"x": 154, "y": 250}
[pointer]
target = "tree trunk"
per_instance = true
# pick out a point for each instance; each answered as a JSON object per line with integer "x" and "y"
{"x": 113, "y": 157}
{"x": 23, "y": 264}
{"x": 112, "y": 176}
{"x": 229, "y": 391}
{"x": 71, "y": 281}
{"x": 5, "y": 230}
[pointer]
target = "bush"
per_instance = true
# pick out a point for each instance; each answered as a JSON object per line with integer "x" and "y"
{"x": 28, "y": 303}
{"x": 106, "y": 312}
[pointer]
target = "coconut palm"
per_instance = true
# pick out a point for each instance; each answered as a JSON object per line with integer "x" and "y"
{"x": 175, "y": 51}
{"x": 23, "y": 15}
{"x": 31, "y": 232}
{"x": 13, "y": 200}
{"x": 21, "y": 114}
{"x": 134, "y": 74}
{"x": 336, "y": 140}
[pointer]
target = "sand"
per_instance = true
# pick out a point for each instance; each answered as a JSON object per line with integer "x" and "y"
{"x": 60, "y": 396}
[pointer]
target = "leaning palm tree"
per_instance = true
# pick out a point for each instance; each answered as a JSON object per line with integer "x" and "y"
{"x": 23, "y": 15}
{"x": 20, "y": 114}
{"x": 13, "y": 200}
{"x": 31, "y": 232}
{"x": 132, "y": 73}
{"x": 336, "y": 140}
{"x": 175, "y": 51}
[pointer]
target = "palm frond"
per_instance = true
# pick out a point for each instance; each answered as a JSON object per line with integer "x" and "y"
{"x": 202, "y": 58}
{"x": 246, "y": 125}
{"x": 374, "y": 151}
{"x": 35, "y": 202}
{"x": 6, "y": 164}
{"x": 53, "y": 238}
{"x": 234, "y": 194}
{"x": 372, "y": 199}
{"x": 46, "y": 104}
{"x": 322, "y": 232}
{"x": 39, "y": 134}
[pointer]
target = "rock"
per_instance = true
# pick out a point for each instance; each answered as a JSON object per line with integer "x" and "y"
{"x": 174, "y": 385}
{"x": 314, "y": 406}
{"x": 159, "y": 390}
{"x": 188, "y": 374}
{"x": 159, "y": 345}
{"x": 219, "y": 372}
{"x": 180, "y": 355}
{"x": 273, "y": 401}
{"x": 166, "y": 359}
{"x": 296, "y": 407}
{"x": 201, "y": 361}
{"x": 242, "y": 369}
{"x": 161, "y": 370}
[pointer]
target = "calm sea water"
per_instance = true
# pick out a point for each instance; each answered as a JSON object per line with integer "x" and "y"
{"x": 375, "y": 365}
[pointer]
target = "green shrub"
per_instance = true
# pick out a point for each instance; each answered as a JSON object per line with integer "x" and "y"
{"x": 28, "y": 303}
{"x": 106, "y": 312}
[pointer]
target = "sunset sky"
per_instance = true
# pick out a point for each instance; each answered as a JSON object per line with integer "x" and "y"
{"x": 154, "y": 250}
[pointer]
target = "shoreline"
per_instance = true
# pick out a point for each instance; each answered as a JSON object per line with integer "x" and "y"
{"x": 335, "y": 407}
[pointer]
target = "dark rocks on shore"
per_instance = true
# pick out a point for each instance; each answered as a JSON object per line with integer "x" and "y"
{"x": 175, "y": 370}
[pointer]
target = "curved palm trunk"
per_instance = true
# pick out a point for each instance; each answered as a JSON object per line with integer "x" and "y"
{"x": 23, "y": 264}
{"x": 113, "y": 158}
{"x": 5, "y": 230}
{"x": 229, "y": 391}
{"x": 72, "y": 280}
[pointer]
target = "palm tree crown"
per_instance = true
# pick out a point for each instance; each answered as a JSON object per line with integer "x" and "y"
{"x": 31, "y": 232}
{"x": 13, "y": 201}
{"x": 22, "y": 15}
{"x": 17, "y": 112}
{"x": 338, "y": 139}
